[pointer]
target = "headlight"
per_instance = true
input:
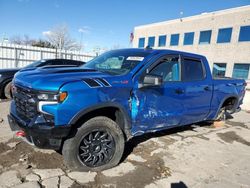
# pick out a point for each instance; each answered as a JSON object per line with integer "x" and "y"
{"x": 0, "y": 75}
{"x": 47, "y": 97}
{"x": 52, "y": 97}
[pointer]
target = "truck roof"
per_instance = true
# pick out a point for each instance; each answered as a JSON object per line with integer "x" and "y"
{"x": 163, "y": 51}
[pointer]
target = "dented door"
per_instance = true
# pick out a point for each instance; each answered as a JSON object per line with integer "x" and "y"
{"x": 159, "y": 107}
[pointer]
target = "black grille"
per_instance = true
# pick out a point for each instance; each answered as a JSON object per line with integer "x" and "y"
{"x": 26, "y": 103}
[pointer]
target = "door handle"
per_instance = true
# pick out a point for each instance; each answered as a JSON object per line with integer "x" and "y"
{"x": 179, "y": 91}
{"x": 207, "y": 88}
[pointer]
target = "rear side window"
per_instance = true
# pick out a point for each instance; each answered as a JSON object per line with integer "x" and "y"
{"x": 192, "y": 70}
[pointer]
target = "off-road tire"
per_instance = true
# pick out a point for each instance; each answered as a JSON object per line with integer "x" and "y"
{"x": 71, "y": 146}
{"x": 222, "y": 114}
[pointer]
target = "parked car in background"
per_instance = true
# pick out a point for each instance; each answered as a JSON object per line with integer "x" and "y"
{"x": 91, "y": 111}
{"x": 6, "y": 75}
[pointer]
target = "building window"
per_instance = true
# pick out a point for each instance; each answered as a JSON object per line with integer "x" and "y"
{"x": 162, "y": 40}
{"x": 224, "y": 35}
{"x": 241, "y": 71}
{"x": 174, "y": 40}
{"x": 141, "y": 42}
{"x": 244, "y": 33}
{"x": 205, "y": 37}
{"x": 151, "y": 41}
{"x": 188, "y": 38}
{"x": 219, "y": 69}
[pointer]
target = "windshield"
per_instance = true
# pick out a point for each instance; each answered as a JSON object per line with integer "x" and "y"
{"x": 118, "y": 62}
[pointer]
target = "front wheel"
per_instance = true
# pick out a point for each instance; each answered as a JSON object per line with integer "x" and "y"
{"x": 97, "y": 145}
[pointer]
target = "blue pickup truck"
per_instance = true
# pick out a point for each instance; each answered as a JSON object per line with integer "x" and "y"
{"x": 91, "y": 111}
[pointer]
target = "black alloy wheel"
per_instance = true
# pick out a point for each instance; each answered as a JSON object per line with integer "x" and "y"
{"x": 96, "y": 148}
{"x": 96, "y": 145}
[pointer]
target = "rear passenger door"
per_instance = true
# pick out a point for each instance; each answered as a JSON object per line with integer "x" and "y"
{"x": 197, "y": 90}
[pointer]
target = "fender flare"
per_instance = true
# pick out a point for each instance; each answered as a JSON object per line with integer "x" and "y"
{"x": 225, "y": 98}
{"x": 4, "y": 83}
{"x": 127, "y": 119}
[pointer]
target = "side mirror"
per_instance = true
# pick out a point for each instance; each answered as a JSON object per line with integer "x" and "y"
{"x": 152, "y": 80}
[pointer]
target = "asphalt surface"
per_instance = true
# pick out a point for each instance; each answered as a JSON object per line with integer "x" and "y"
{"x": 194, "y": 156}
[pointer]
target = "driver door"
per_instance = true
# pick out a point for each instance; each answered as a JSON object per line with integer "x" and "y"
{"x": 157, "y": 107}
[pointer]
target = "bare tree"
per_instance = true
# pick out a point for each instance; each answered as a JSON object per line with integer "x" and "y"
{"x": 60, "y": 38}
{"x": 22, "y": 40}
{"x": 43, "y": 44}
{"x": 16, "y": 40}
{"x": 26, "y": 40}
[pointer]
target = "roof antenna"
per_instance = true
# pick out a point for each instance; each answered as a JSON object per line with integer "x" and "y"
{"x": 148, "y": 48}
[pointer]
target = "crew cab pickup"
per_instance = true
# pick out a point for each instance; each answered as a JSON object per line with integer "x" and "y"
{"x": 91, "y": 111}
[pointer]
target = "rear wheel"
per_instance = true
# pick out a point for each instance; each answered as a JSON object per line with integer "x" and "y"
{"x": 7, "y": 90}
{"x": 222, "y": 115}
{"x": 97, "y": 145}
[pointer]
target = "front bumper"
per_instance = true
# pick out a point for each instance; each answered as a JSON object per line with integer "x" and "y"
{"x": 41, "y": 135}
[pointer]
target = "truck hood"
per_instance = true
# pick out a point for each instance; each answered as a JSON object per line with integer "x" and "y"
{"x": 51, "y": 79}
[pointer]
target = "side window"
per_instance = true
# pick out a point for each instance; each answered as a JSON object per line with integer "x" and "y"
{"x": 168, "y": 68}
{"x": 192, "y": 70}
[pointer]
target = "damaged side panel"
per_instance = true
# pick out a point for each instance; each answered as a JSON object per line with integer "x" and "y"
{"x": 153, "y": 109}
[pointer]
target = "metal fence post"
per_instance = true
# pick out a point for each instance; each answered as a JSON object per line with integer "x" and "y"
{"x": 41, "y": 54}
{"x": 16, "y": 57}
{"x": 56, "y": 54}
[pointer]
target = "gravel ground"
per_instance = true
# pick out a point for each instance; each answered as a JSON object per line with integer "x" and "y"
{"x": 195, "y": 156}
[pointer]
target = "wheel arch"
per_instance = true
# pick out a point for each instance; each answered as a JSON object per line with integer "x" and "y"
{"x": 112, "y": 110}
{"x": 4, "y": 83}
{"x": 226, "y": 101}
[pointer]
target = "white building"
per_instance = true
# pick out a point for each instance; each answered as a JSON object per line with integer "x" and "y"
{"x": 222, "y": 36}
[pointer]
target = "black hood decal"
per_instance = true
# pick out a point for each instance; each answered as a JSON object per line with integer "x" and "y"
{"x": 74, "y": 70}
{"x": 91, "y": 82}
{"x": 96, "y": 82}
